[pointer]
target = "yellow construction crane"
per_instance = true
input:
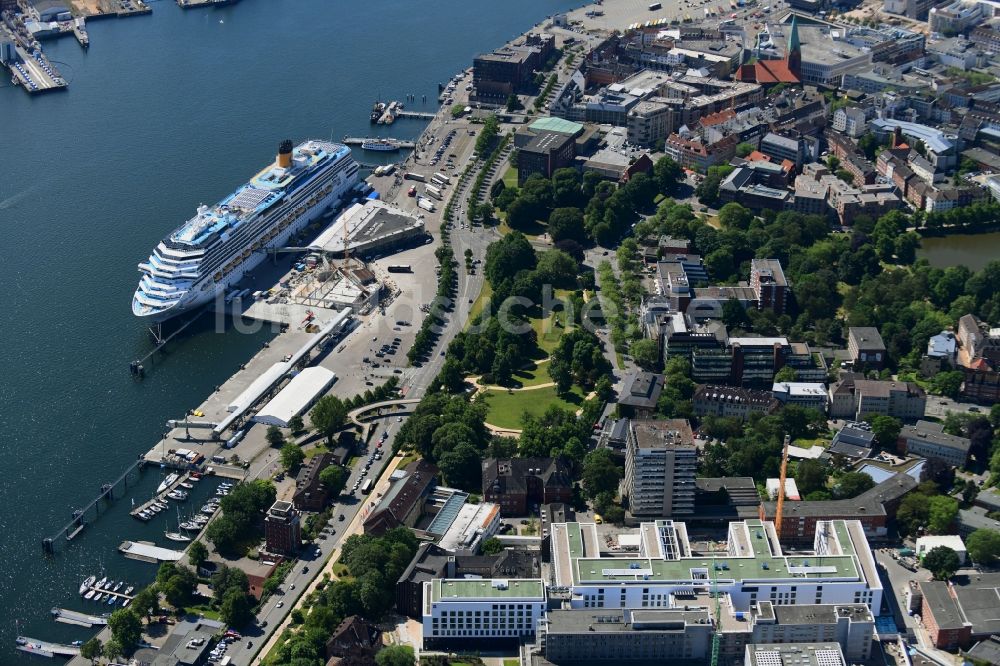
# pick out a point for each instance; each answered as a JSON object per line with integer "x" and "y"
{"x": 778, "y": 523}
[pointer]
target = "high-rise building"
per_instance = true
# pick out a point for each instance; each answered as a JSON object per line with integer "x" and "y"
{"x": 660, "y": 461}
{"x": 282, "y": 528}
{"x": 769, "y": 285}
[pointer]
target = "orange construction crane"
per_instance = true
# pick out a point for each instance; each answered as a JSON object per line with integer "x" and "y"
{"x": 781, "y": 487}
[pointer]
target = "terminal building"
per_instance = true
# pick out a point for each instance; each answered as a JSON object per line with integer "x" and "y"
{"x": 371, "y": 227}
{"x": 664, "y": 573}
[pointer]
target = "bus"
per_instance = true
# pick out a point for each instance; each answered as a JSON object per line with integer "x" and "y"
{"x": 367, "y": 486}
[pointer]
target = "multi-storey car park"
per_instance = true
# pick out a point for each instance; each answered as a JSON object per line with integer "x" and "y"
{"x": 661, "y": 574}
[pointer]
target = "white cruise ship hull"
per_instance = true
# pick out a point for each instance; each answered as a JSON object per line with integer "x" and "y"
{"x": 214, "y": 250}
{"x": 205, "y": 291}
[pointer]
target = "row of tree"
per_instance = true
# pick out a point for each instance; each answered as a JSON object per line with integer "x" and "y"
{"x": 241, "y": 522}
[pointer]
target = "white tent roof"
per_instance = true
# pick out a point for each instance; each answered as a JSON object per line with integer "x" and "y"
{"x": 296, "y": 397}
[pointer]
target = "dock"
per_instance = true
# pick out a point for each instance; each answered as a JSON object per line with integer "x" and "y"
{"x": 418, "y": 115}
{"x": 46, "y": 649}
{"x": 67, "y": 616}
{"x": 401, "y": 144}
{"x": 196, "y": 4}
{"x": 107, "y": 592}
{"x": 145, "y": 551}
{"x": 159, "y": 497}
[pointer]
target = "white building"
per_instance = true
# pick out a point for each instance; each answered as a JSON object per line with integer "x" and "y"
{"x": 791, "y": 489}
{"x": 925, "y": 544}
{"x": 479, "y": 608}
{"x": 298, "y": 396}
{"x": 660, "y": 575}
{"x": 808, "y": 395}
{"x": 851, "y": 121}
{"x": 660, "y": 462}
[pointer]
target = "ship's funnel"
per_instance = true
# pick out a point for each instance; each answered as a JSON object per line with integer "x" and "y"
{"x": 285, "y": 154}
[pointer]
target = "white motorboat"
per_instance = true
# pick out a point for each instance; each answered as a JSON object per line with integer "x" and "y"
{"x": 177, "y": 536}
{"x": 167, "y": 482}
{"x": 87, "y": 584}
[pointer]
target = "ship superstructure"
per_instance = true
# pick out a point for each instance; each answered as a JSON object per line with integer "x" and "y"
{"x": 216, "y": 247}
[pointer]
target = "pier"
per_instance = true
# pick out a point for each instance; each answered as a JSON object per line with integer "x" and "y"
{"x": 145, "y": 551}
{"x": 46, "y": 649}
{"x": 418, "y": 115}
{"x": 108, "y": 591}
{"x": 400, "y": 144}
{"x": 89, "y": 513}
{"x": 159, "y": 497}
{"x": 67, "y": 616}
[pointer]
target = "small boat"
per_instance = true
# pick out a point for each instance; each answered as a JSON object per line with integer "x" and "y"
{"x": 112, "y": 600}
{"x": 167, "y": 482}
{"x": 155, "y": 508}
{"x": 77, "y": 643}
{"x": 195, "y": 477}
{"x": 162, "y": 504}
{"x": 126, "y": 602}
{"x": 119, "y": 586}
{"x": 90, "y": 595}
{"x": 101, "y": 582}
{"x": 185, "y": 484}
{"x": 189, "y": 525}
{"x": 87, "y": 584}
{"x": 179, "y": 495}
{"x": 177, "y": 536}
{"x": 130, "y": 589}
{"x": 98, "y": 597}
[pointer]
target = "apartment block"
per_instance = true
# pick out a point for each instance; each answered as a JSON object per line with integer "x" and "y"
{"x": 660, "y": 463}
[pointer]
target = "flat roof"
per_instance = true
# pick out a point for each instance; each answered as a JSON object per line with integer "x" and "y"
{"x": 484, "y": 588}
{"x": 296, "y": 396}
{"x": 559, "y": 125}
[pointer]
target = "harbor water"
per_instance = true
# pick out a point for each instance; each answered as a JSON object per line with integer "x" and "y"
{"x": 163, "y": 112}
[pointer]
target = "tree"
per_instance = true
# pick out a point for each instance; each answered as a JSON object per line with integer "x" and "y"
{"x": 646, "y": 353}
{"x": 296, "y": 425}
{"x": 113, "y": 648}
{"x": 395, "y": 655}
{"x": 744, "y": 149}
{"x": 513, "y": 103}
{"x": 947, "y": 383}
{"x": 226, "y": 579}
{"x": 886, "y": 430}
{"x": 567, "y": 224}
{"x": 126, "y": 628}
{"x": 557, "y": 268}
{"x": 735, "y": 216}
{"x": 197, "y": 553}
{"x": 984, "y": 547}
{"x": 734, "y": 315}
{"x": 147, "y": 601}
{"x": 666, "y": 173}
{"x": 604, "y": 388}
{"x": 507, "y": 256}
{"x": 942, "y": 562}
{"x": 810, "y": 476}
{"x": 237, "y": 608}
{"x": 334, "y": 477}
{"x": 291, "y": 456}
{"x": 786, "y": 374}
{"x": 328, "y": 415}
{"x": 941, "y": 513}
{"x": 177, "y": 583}
{"x": 274, "y": 436}
{"x": 92, "y": 650}
{"x": 852, "y": 484}
{"x": 600, "y": 473}
{"x": 492, "y": 546}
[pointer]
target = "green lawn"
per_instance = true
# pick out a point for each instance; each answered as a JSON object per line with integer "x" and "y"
{"x": 511, "y": 662}
{"x": 205, "y": 610}
{"x": 539, "y": 374}
{"x": 480, "y": 303}
{"x": 314, "y": 451}
{"x": 506, "y": 408}
{"x": 551, "y": 329}
{"x": 510, "y": 177}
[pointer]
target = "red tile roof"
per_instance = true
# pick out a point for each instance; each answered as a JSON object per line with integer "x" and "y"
{"x": 766, "y": 72}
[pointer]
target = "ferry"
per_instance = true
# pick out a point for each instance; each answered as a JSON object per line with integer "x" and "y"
{"x": 212, "y": 251}
{"x": 381, "y": 145}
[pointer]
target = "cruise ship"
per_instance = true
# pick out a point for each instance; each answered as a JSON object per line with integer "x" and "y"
{"x": 214, "y": 249}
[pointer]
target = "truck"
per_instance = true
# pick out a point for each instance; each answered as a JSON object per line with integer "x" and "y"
{"x": 438, "y": 181}
{"x": 426, "y": 204}
{"x": 400, "y": 268}
{"x": 410, "y": 175}
{"x": 434, "y": 192}
{"x": 367, "y": 486}
{"x": 655, "y": 6}
{"x": 441, "y": 176}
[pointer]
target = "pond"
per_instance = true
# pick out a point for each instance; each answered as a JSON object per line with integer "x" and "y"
{"x": 972, "y": 250}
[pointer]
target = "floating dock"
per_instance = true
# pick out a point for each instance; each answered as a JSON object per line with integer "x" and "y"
{"x": 160, "y": 497}
{"x": 46, "y": 649}
{"x": 419, "y": 115}
{"x": 67, "y": 616}
{"x": 144, "y": 551}
{"x": 106, "y": 591}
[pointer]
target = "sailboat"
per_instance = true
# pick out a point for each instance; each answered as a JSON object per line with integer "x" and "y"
{"x": 178, "y": 535}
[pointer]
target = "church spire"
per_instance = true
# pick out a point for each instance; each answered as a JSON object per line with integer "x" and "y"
{"x": 793, "y": 54}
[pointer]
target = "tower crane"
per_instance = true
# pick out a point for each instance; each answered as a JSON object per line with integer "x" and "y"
{"x": 778, "y": 522}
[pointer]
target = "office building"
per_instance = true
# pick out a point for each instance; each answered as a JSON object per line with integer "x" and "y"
{"x": 544, "y": 154}
{"x": 480, "y": 611}
{"x": 402, "y": 504}
{"x": 660, "y": 462}
{"x": 311, "y": 494}
{"x": 958, "y": 613}
{"x": 865, "y": 347}
{"x": 808, "y": 395}
{"x": 640, "y": 392}
{"x": 282, "y": 529}
{"x": 929, "y": 440}
{"x": 854, "y": 398}
{"x": 733, "y": 401}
